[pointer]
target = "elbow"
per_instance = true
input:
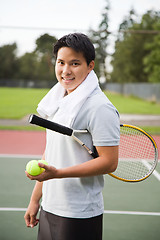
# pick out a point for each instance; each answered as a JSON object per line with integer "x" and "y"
{"x": 112, "y": 167}
{"x": 109, "y": 157}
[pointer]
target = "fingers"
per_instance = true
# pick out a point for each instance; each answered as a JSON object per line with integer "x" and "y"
{"x": 43, "y": 166}
{"x": 27, "y": 220}
{"x": 31, "y": 221}
{"x": 34, "y": 221}
{"x": 49, "y": 173}
{"x": 38, "y": 177}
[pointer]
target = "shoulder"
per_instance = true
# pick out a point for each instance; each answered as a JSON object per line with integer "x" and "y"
{"x": 99, "y": 116}
{"x": 96, "y": 108}
{"x": 99, "y": 104}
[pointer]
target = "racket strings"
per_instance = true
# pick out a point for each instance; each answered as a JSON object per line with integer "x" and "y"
{"x": 135, "y": 150}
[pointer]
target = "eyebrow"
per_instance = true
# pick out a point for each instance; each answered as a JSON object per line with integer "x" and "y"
{"x": 73, "y": 60}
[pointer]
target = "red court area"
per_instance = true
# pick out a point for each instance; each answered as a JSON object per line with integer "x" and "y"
{"x": 22, "y": 142}
{"x": 30, "y": 142}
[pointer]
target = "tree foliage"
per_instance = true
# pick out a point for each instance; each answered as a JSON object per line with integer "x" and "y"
{"x": 133, "y": 56}
{"x": 44, "y": 52}
{"x": 8, "y": 61}
{"x": 37, "y": 65}
{"x": 152, "y": 60}
{"x": 28, "y": 66}
{"x": 136, "y": 57}
{"x": 100, "y": 40}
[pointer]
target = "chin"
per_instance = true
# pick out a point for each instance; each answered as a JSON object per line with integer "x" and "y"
{"x": 70, "y": 89}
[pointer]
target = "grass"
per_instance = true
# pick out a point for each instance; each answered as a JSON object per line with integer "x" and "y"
{"x": 153, "y": 130}
{"x": 133, "y": 105}
{"x": 15, "y": 103}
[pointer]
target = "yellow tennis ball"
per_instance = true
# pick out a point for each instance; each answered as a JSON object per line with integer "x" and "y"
{"x": 44, "y": 162}
{"x": 32, "y": 168}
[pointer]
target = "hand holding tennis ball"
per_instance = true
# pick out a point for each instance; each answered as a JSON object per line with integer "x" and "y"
{"x": 33, "y": 168}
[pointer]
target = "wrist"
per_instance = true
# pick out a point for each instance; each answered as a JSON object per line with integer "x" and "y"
{"x": 61, "y": 173}
{"x": 34, "y": 201}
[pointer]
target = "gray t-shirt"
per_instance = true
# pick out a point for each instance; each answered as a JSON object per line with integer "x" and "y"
{"x": 80, "y": 197}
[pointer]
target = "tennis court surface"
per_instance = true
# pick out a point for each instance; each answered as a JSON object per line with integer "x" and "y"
{"x": 132, "y": 210}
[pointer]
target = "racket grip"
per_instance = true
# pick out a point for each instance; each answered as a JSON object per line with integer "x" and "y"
{"x": 33, "y": 119}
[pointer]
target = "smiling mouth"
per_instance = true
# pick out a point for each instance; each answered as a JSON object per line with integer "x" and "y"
{"x": 67, "y": 79}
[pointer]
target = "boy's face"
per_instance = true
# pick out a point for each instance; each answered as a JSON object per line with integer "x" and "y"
{"x": 71, "y": 68}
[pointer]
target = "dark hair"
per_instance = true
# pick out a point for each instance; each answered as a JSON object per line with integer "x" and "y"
{"x": 79, "y": 42}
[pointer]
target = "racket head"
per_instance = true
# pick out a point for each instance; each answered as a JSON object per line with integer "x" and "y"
{"x": 138, "y": 155}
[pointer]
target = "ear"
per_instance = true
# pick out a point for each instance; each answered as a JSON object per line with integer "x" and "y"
{"x": 91, "y": 66}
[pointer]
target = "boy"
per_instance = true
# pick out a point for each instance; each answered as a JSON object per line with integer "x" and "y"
{"x": 71, "y": 185}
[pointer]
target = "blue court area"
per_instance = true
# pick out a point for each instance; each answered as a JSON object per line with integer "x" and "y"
{"x": 132, "y": 210}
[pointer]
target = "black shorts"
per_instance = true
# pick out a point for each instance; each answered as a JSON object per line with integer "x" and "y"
{"x": 53, "y": 227}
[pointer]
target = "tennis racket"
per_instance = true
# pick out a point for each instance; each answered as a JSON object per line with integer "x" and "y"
{"x": 138, "y": 153}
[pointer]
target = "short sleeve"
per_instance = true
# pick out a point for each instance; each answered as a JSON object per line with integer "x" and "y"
{"x": 104, "y": 126}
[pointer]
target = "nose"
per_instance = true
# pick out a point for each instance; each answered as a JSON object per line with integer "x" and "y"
{"x": 66, "y": 69}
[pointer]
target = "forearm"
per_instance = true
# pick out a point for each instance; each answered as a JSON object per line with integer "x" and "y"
{"x": 37, "y": 192}
{"x": 93, "y": 167}
{"x": 105, "y": 163}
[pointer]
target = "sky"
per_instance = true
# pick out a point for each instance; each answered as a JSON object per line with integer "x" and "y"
{"x": 19, "y": 19}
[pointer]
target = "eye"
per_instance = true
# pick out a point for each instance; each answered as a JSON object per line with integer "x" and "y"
{"x": 75, "y": 64}
{"x": 60, "y": 62}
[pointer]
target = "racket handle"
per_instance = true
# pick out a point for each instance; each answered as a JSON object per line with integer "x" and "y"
{"x": 33, "y": 119}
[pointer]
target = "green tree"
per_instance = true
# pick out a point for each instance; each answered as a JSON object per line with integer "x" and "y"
{"x": 8, "y": 61}
{"x": 130, "y": 48}
{"x": 44, "y": 51}
{"x": 39, "y": 64}
{"x": 100, "y": 41}
{"x": 152, "y": 60}
{"x": 28, "y": 66}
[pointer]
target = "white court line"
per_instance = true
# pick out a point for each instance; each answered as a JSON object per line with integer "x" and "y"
{"x": 5, "y": 209}
{"x": 132, "y": 213}
{"x": 20, "y": 156}
{"x": 148, "y": 166}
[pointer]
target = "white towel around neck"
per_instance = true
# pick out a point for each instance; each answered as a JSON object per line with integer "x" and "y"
{"x": 68, "y": 106}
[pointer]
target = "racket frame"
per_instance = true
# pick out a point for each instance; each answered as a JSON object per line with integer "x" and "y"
{"x": 155, "y": 160}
